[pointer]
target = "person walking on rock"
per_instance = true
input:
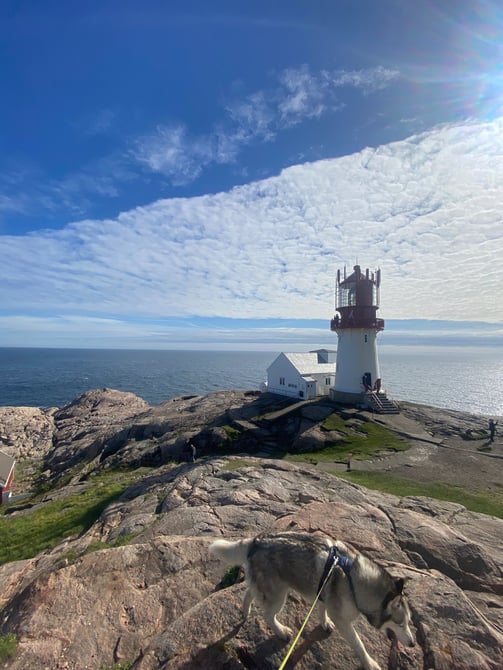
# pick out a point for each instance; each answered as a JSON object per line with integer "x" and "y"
{"x": 492, "y": 429}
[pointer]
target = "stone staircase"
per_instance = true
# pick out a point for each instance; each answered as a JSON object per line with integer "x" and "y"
{"x": 380, "y": 403}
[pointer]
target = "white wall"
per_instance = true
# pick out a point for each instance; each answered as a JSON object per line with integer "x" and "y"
{"x": 355, "y": 356}
{"x": 322, "y": 388}
{"x": 294, "y": 383}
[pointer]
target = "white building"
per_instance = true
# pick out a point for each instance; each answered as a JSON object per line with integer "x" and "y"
{"x": 302, "y": 376}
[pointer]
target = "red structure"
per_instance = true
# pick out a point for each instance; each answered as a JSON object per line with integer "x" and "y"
{"x": 357, "y": 300}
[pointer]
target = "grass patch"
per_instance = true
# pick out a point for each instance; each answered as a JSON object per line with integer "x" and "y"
{"x": 8, "y": 646}
{"x": 27, "y": 535}
{"x": 335, "y": 422}
{"x": 364, "y": 441}
{"x": 232, "y": 433}
{"x": 485, "y": 502}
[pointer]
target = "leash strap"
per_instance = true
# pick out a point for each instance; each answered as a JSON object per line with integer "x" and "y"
{"x": 332, "y": 561}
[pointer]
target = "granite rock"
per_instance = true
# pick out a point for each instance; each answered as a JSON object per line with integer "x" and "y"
{"x": 158, "y": 602}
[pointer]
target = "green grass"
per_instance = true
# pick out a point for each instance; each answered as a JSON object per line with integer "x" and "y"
{"x": 335, "y": 422}
{"x": 8, "y": 646}
{"x": 237, "y": 463}
{"x": 369, "y": 439}
{"x": 228, "y": 447}
{"x": 28, "y": 534}
{"x": 232, "y": 433}
{"x": 485, "y": 502}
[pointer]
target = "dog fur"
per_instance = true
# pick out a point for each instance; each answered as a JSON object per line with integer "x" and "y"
{"x": 294, "y": 561}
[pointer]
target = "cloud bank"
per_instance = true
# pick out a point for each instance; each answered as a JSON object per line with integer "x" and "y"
{"x": 427, "y": 210}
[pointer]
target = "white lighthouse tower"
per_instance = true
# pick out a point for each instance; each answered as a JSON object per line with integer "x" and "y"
{"x": 357, "y": 374}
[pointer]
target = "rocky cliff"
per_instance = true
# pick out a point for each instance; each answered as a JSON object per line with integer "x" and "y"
{"x": 138, "y": 589}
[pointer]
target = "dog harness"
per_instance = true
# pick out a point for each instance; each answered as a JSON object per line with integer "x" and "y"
{"x": 336, "y": 559}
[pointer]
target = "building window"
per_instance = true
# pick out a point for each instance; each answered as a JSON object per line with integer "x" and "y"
{"x": 327, "y": 380}
{"x": 282, "y": 381}
{"x": 366, "y": 338}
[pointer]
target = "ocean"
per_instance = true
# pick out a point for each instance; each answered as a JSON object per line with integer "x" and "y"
{"x": 461, "y": 378}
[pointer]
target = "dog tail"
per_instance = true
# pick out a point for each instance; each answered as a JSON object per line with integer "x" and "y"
{"x": 233, "y": 553}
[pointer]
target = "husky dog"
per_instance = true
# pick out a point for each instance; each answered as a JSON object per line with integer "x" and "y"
{"x": 277, "y": 563}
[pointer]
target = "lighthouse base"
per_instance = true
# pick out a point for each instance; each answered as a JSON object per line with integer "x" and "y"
{"x": 371, "y": 400}
{"x": 346, "y": 398}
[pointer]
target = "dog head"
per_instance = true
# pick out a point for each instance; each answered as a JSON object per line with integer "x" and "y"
{"x": 395, "y": 618}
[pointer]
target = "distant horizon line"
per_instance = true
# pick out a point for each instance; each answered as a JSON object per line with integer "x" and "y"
{"x": 462, "y": 344}
{"x": 228, "y": 334}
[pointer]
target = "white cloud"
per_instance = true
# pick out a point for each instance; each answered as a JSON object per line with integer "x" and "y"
{"x": 252, "y": 118}
{"x": 181, "y": 157}
{"x": 304, "y": 96}
{"x": 32, "y": 194}
{"x": 297, "y": 96}
{"x": 12, "y": 204}
{"x": 427, "y": 210}
{"x": 368, "y": 80}
{"x": 172, "y": 152}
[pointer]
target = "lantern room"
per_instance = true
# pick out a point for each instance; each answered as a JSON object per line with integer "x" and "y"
{"x": 357, "y": 300}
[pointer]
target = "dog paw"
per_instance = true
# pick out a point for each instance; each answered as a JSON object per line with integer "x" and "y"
{"x": 372, "y": 665}
{"x": 328, "y": 626}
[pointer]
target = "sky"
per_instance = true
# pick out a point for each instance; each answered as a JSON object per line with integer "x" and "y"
{"x": 193, "y": 174}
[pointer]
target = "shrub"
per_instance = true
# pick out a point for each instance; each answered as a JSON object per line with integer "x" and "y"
{"x": 231, "y": 576}
{"x": 8, "y": 646}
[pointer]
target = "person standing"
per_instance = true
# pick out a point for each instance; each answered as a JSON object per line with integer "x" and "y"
{"x": 492, "y": 429}
{"x": 191, "y": 452}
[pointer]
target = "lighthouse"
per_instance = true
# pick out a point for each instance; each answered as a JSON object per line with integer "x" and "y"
{"x": 357, "y": 373}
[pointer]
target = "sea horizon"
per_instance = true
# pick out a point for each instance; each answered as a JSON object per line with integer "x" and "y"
{"x": 460, "y": 377}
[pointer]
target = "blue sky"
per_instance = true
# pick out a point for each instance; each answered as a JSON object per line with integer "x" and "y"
{"x": 192, "y": 174}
